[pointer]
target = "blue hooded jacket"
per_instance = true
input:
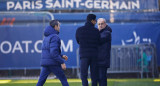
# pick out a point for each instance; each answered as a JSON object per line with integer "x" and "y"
{"x": 51, "y": 53}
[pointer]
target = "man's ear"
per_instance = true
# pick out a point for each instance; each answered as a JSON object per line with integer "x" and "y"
{"x": 92, "y": 21}
{"x": 55, "y": 26}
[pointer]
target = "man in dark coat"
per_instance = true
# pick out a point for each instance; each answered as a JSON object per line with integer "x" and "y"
{"x": 52, "y": 60}
{"x": 88, "y": 37}
{"x": 104, "y": 51}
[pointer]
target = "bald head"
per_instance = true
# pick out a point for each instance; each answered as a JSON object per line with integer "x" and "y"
{"x": 101, "y": 23}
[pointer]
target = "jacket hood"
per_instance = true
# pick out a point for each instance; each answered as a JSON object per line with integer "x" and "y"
{"x": 50, "y": 30}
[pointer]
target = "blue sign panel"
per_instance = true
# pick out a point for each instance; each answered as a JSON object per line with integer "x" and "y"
{"x": 36, "y": 5}
{"x": 21, "y": 38}
{"x": 20, "y": 44}
{"x": 20, "y": 47}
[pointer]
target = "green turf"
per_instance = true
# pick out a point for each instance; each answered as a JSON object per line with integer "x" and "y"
{"x": 137, "y": 84}
{"x": 77, "y": 82}
{"x": 46, "y": 84}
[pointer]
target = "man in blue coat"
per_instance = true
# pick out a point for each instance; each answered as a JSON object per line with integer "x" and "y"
{"x": 52, "y": 60}
{"x": 104, "y": 51}
{"x": 88, "y": 37}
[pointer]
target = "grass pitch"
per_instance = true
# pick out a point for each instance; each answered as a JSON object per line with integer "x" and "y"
{"x": 77, "y": 82}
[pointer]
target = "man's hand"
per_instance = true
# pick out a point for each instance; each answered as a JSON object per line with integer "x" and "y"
{"x": 65, "y": 57}
{"x": 63, "y": 66}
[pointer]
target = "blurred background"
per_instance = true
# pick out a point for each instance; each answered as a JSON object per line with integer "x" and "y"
{"x": 135, "y": 50}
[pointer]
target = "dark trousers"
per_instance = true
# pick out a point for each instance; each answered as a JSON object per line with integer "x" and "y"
{"x": 102, "y": 79}
{"x": 85, "y": 63}
{"x": 57, "y": 70}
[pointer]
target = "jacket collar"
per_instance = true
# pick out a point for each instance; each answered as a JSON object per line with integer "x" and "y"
{"x": 102, "y": 30}
{"x": 89, "y": 23}
{"x": 106, "y": 28}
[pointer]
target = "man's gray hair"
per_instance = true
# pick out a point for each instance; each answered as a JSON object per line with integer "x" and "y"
{"x": 102, "y": 19}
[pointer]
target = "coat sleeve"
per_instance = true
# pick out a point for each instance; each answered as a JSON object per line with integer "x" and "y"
{"x": 77, "y": 36}
{"x": 54, "y": 50}
{"x": 106, "y": 38}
